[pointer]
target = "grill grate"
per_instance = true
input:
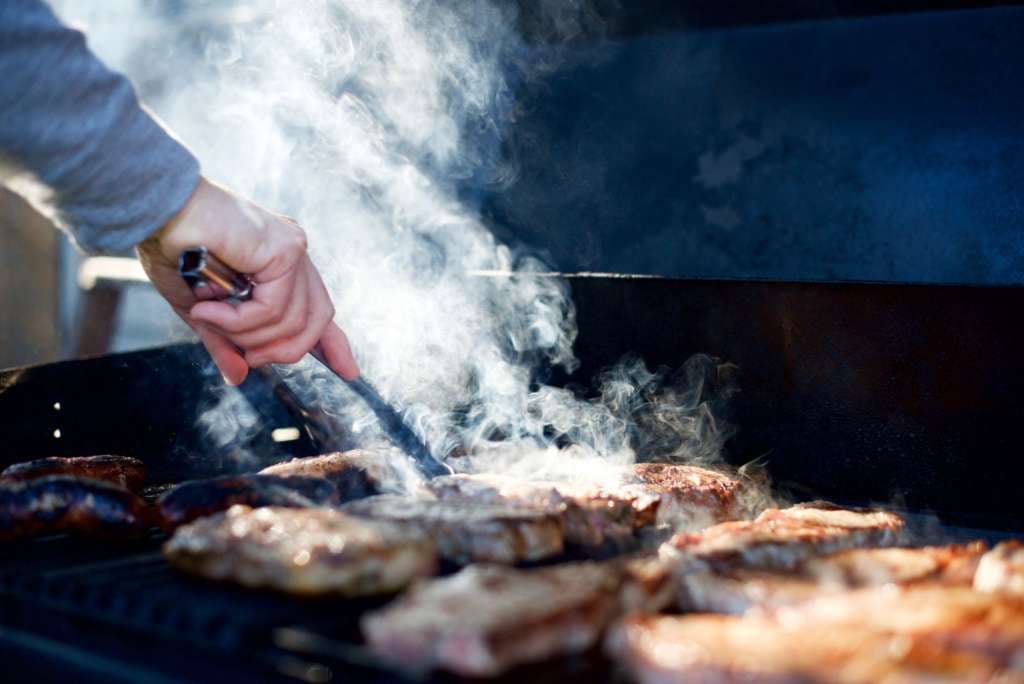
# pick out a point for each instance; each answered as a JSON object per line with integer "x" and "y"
{"x": 82, "y": 588}
{"x": 125, "y": 601}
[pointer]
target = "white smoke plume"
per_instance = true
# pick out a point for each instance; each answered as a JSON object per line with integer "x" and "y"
{"x": 359, "y": 118}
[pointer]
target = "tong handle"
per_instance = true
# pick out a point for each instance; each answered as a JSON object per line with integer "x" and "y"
{"x": 210, "y": 278}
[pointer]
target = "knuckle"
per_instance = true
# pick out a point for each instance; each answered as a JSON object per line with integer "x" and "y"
{"x": 298, "y": 241}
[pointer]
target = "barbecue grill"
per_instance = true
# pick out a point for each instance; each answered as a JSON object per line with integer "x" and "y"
{"x": 905, "y": 394}
{"x": 824, "y": 400}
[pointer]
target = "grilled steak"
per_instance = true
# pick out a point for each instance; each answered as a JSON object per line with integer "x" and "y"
{"x": 1002, "y": 569}
{"x": 308, "y": 551}
{"x": 591, "y": 517}
{"x": 466, "y": 532}
{"x": 122, "y": 471}
{"x": 957, "y": 618}
{"x": 687, "y": 497}
{"x": 738, "y": 589}
{"x": 355, "y": 474}
{"x": 690, "y": 498}
{"x": 784, "y": 538}
{"x": 487, "y": 618}
{"x": 198, "y": 498}
{"x": 60, "y": 503}
{"x": 711, "y": 648}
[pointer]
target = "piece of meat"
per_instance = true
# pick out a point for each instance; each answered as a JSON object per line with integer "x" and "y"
{"x": 60, "y": 503}
{"x": 355, "y": 474}
{"x": 468, "y": 532}
{"x": 306, "y": 551}
{"x": 684, "y": 496}
{"x": 959, "y": 618}
{"x": 198, "y": 498}
{"x": 712, "y": 648}
{"x": 488, "y": 618}
{"x": 122, "y": 471}
{"x": 783, "y": 538}
{"x": 591, "y": 517}
{"x": 1002, "y": 569}
{"x": 950, "y": 565}
{"x": 689, "y": 497}
{"x": 736, "y": 590}
{"x": 647, "y": 584}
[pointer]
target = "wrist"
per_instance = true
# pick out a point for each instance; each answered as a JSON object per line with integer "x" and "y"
{"x": 179, "y": 232}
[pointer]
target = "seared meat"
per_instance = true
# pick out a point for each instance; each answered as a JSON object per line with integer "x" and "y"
{"x": 355, "y": 474}
{"x": 198, "y": 498}
{"x": 713, "y": 648}
{"x": 466, "y": 532}
{"x": 784, "y": 538}
{"x": 1002, "y": 569}
{"x": 310, "y": 551}
{"x": 956, "y": 618}
{"x": 591, "y": 517}
{"x": 687, "y": 497}
{"x": 646, "y": 584}
{"x": 60, "y": 503}
{"x": 487, "y": 618}
{"x": 122, "y": 471}
{"x": 690, "y": 498}
{"x": 738, "y": 589}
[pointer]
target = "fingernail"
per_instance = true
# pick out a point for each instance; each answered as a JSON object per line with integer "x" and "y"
{"x": 228, "y": 382}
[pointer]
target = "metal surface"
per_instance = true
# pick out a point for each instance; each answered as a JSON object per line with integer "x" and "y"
{"x": 881, "y": 148}
{"x": 850, "y": 392}
{"x": 151, "y": 405}
{"x": 211, "y": 278}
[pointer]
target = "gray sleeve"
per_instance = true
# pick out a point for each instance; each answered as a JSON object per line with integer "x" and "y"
{"x": 116, "y": 175}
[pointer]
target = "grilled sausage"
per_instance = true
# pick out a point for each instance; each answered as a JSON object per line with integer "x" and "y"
{"x": 60, "y": 503}
{"x": 199, "y": 498}
{"x": 123, "y": 471}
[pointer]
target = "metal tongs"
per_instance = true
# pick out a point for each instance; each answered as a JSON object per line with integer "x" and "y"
{"x": 210, "y": 278}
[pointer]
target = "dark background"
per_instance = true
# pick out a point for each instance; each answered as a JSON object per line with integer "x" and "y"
{"x": 687, "y": 139}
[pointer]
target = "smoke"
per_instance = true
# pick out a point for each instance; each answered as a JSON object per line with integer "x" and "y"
{"x": 360, "y": 119}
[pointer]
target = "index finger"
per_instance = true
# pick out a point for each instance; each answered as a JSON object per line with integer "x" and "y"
{"x": 338, "y": 352}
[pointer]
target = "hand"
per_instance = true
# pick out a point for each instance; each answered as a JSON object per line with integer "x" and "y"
{"x": 290, "y": 310}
